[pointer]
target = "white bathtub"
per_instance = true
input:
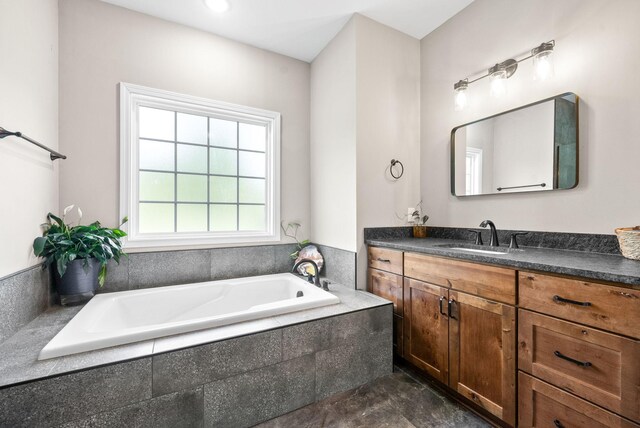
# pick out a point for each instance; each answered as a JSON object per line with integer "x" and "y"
{"x": 130, "y": 316}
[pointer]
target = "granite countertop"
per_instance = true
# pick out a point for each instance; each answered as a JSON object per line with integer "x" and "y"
{"x": 19, "y": 354}
{"x": 590, "y": 265}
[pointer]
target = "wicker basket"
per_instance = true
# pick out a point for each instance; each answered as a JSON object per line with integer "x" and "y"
{"x": 629, "y": 240}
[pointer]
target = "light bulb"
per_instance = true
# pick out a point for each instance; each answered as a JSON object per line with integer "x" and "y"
{"x": 498, "y": 83}
{"x": 543, "y": 66}
{"x": 218, "y": 6}
{"x": 460, "y": 95}
{"x": 543, "y": 61}
{"x": 460, "y": 100}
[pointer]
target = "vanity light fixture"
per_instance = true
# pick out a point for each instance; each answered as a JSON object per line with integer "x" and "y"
{"x": 543, "y": 61}
{"x": 460, "y": 99}
{"x": 218, "y": 6}
{"x": 499, "y": 73}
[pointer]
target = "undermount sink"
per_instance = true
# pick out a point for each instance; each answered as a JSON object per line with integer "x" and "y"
{"x": 475, "y": 249}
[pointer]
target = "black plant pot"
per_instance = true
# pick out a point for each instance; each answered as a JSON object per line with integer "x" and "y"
{"x": 79, "y": 282}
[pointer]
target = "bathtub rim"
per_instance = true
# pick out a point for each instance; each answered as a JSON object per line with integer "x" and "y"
{"x": 94, "y": 341}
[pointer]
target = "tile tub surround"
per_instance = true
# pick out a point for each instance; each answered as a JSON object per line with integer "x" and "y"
{"x": 154, "y": 269}
{"x": 160, "y": 268}
{"x": 24, "y": 296}
{"x": 272, "y": 366}
{"x": 593, "y": 243}
{"x": 340, "y": 265}
{"x": 590, "y": 265}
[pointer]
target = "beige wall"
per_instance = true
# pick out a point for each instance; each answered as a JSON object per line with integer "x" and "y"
{"x": 102, "y": 45}
{"x": 365, "y": 97}
{"x": 388, "y": 127}
{"x": 28, "y": 103}
{"x": 597, "y": 57}
{"x": 333, "y": 142}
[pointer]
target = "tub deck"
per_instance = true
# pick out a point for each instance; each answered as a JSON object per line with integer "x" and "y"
{"x": 19, "y": 354}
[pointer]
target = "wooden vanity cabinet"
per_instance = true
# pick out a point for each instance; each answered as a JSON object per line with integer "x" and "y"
{"x": 579, "y": 352}
{"x": 384, "y": 279}
{"x": 576, "y": 352}
{"x": 464, "y": 340}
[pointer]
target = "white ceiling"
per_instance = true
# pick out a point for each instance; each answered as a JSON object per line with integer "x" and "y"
{"x": 298, "y": 28}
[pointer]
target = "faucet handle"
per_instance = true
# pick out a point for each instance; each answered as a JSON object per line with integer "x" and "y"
{"x": 478, "y": 236}
{"x": 514, "y": 239}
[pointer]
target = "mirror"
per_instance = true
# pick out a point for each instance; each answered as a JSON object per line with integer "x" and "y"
{"x": 529, "y": 149}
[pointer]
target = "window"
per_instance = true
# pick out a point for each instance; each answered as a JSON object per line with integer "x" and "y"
{"x": 473, "y": 177}
{"x": 197, "y": 171}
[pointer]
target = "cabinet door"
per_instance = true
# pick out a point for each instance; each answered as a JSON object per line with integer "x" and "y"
{"x": 426, "y": 327}
{"x": 388, "y": 286}
{"x": 482, "y": 351}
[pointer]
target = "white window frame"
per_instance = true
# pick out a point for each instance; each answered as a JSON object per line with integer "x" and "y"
{"x": 134, "y": 96}
{"x": 475, "y": 157}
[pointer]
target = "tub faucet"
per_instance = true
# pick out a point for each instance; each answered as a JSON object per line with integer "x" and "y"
{"x": 494, "y": 234}
{"x": 312, "y": 279}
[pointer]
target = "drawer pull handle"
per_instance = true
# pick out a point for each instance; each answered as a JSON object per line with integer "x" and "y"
{"x": 577, "y": 362}
{"x": 559, "y": 299}
{"x": 383, "y": 260}
{"x": 441, "y": 300}
{"x": 557, "y": 423}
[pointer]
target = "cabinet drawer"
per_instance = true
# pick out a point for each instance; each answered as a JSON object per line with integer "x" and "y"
{"x": 543, "y": 405}
{"x": 603, "y": 306}
{"x": 397, "y": 335}
{"x": 388, "y": 286}
{"x": 598, "y": 366}
{"x": 384, "y": 259}
{"x": 490, "y": 282}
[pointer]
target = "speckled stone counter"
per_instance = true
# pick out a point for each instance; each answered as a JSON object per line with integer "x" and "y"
{"x": 590, "y": 265}
{"x": 274, "y": 364}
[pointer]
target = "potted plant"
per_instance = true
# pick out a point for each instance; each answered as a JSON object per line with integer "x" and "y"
{"x": 419, "y": 221}
{"x": 78, "y": 255}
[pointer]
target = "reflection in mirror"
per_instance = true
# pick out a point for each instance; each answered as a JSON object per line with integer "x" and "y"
{"x": 531, "y": 148}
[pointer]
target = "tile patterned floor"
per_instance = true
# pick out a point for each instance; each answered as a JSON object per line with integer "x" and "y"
{"x": 397, "y": 401}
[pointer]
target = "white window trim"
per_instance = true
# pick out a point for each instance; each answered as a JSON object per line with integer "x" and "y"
{"x": 475, "y": 155}
{"x": 134, "y": 96}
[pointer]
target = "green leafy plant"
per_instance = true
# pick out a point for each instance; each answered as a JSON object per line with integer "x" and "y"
{"x": 61, "y": 243}
{"x": 291, "y": 231}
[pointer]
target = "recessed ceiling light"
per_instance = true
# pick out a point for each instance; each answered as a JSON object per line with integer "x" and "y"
{"x": 218, "y": 6}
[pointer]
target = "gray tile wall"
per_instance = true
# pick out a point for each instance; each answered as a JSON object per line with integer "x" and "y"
{"x": 144, "y": 270}
{"x": 155, "y": 269}
{"x": 237, "y": 382}
{"x": 23, "y": 295}
{"x": 340, "y": 265}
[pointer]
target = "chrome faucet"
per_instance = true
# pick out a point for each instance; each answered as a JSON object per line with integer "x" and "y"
{"x": 494, "y": 234}
{"x": 312, "y": 279}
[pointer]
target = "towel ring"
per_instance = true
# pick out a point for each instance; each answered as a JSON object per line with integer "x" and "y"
{"x": 394, "y": 162}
